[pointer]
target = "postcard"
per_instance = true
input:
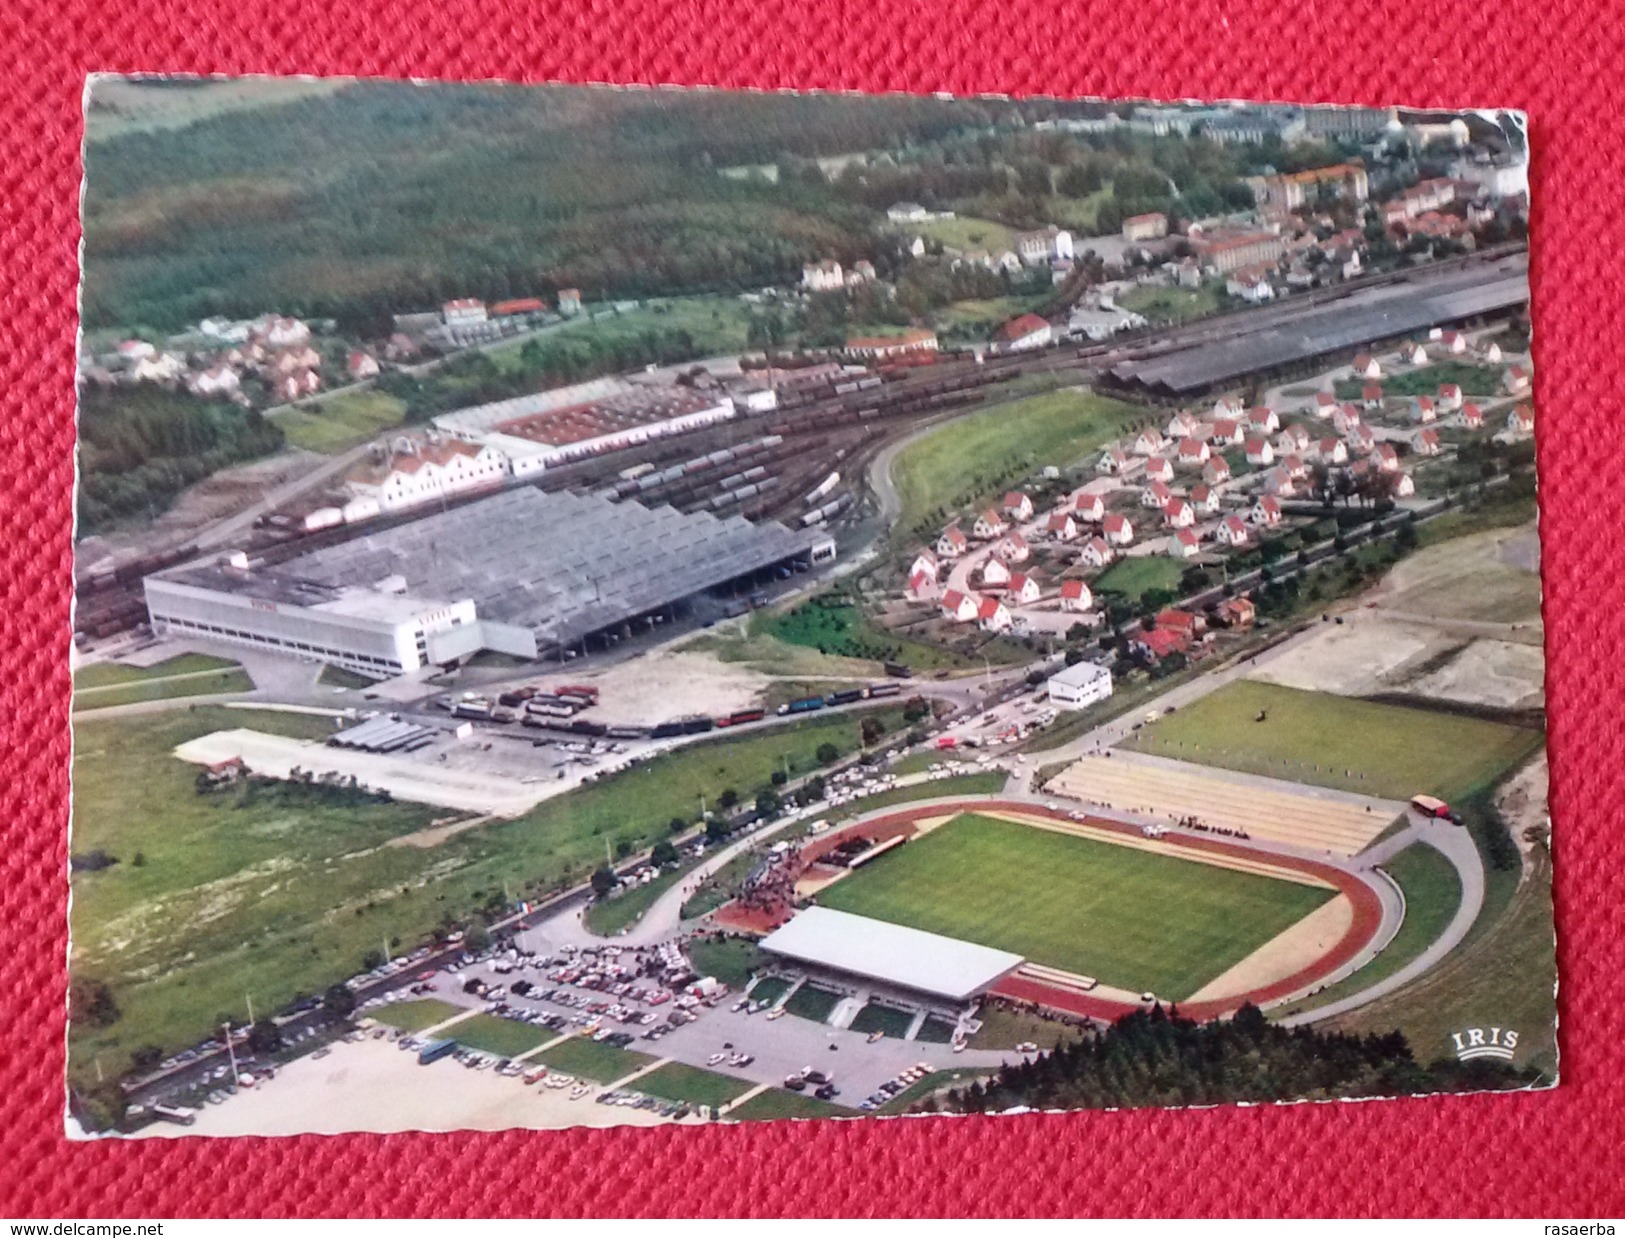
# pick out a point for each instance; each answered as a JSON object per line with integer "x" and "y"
{"x": 605, "y": 606}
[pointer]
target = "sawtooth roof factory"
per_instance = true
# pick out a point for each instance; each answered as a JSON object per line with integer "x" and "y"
{"x": 522, "y": 573}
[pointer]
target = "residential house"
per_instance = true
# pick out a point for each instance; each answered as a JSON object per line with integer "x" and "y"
{"x": 1361, "y": 439}
{"x": 1184, "y": 544}
{"x": 1325, "y": 404}
{"x": 1118, "y": 530}
{"x": 1147, "y": 443}
{"x": 1236, "y": 613}
{"x": 1018, "y": 506}
{"x": 1453, "y": 342}
{"x": 1193, "y": 453}
{"x": 1332, "y": 451}
{"x": 1491, "y": 352}
{"x": 1251, "y": 284}
{"x": 1216, "y": 471}
{"x": 1449, "y": 399}
{"x": 1266, "y": 512}
{"x": 1294, "y": 467}
{"x": 993, "y": 616}
{"x": 1366, "y": 366}
{"x": 361, "y": 365}
{"x": 1179, "y": 514}
{"x": 1232, "y": 531}
{"x": 922, "y": 586}
{"x": 1516, "y": 380}
{"x": 1227, "y": 432}
{"x": 1096, "y": 553}
{"x": 1371, "y": 396}
{"x": 1413, "y": 353}
{"x": 1228, "y": 406}
{"x": 1024, "y": 590}
{"x": 822, "y": 276}
{"x": 1075, "y": 594}
{"x": 995, "y": 572}
{"x": 952, "y": 543}
{"x": 1157, "y": 644}
{"x": 1385, "y": 458}
{"x": 569, "y": 302}
{"x": 1089, "y": 507}
{"x": 298, "y": 385}
{"x": 1205, "y": 499}
{"x": 1182, "y": 425}
{"x": 1346, "y": 418}
{"x": 1294, "y": 438}
{"x": 925, "y": 562}
{"x": 1155, "y": 496}
{"x": 1472, "y": 416}
{"x": 1426, "y": 443}
{"x": 1062, "y": 527}
{"x": 1023, "y": 334}
{"x": 1112, "y": 462}
{"x": 1191, "y": 625}
{"x": 960, "y": 607}
{"x": 1521, "y": 420}
{"x": 1159, "y": 468}
{"x": 1422, "y": 409}
{"x": 163, "y": 367}
{"x": 1263, "y": 420}
{"x": 1259, "y": 452}
{"x": 217, "y": 380}
{"x": 988, "y": 525}
{"x": 1013, "y": 548}
{"x": 1404, "y": 486}
{"x": 1278, "y": 481}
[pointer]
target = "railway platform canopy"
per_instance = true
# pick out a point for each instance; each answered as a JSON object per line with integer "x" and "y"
{"x": 1254, "y": 342}
{"x": 907, "y": 958}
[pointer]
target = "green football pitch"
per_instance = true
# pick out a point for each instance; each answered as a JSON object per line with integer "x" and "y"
{"x": 1130, "y": 918}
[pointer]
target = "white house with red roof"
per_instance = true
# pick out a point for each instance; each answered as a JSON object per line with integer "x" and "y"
{"x": 1096, "y": 553}
{"x": 1061, "y": 527}
{"x": 1426, "y": 442}
{"x": 995, "y": 572}
{"x": 1422, "y": 409}
{"x": 1184, "y": 544}
{"x": 1156, "y": 496}
{"x": 1266, "y": 512}
{"x": 1182, "y": 425}
{"x": 960, "y": 607}
{"x": 1205, "y": 499}
{"x": 1090, "y": 507}
{"x": 952, "y": 543}
{"x": 1263, "y": 420}
{"x": 1278, "y": 481}
{"x": 361, "y": 365}
{"x": 1159, "y": 468}
{"x": 1147, "y": 443}
{"x": 1293, "y": 438}
{"x": 1325, "y": 403}
{"x": 1076, "y": 596}
{"x": 1366, "y": 366}
{"x": 1228, "y": 406}
{"x": 1295, "y": 467}
{"x": 1385, "y": 458}
{"x": 1346, "y": 418}
{"x": 1024, "y": 590}
{"x": 1371, "y": 396}
{"x": 1491, "y": 352}
{"x": 1516, "y": 380}
{"x": 1449, "y": 398}
{"x": 1118, "y": 530}
{"x": 1259, "y": 452}
{"x": 1112, "y": 462}
{"x": 1216, "y": 471}
{"x": 1232, "y": 531}
{"x": 1413, "y": 353}
{"x": 1453, "y": 342}
{"x": 1023, "y": 334}
{"x": 1227, "y": 432}
{"x": 925, "y": 562}
{"x": 1179, "y": 514}
{"x": 1361, "y": 439}
{"x": 1472, "y": 416}
{"x": 993, "y": 616}
{"x": 1193, "y": 453}
{"x": 988, "y": 525}
{"x": 418, "y": 470}
{"x": 1332, "y": 451}
{"x": 1521, "y": 420}
{"x": 922, "y": 586}
{"x": 1013, "y": 548}
{"x": 1018, "y": 506}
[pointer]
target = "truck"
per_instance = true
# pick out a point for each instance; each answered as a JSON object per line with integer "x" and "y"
{"x": 897, "y": 670}
{"x": 435, "y": 1050}
{"x": 1435, "y": 809}
{"x": 805, "y": 704}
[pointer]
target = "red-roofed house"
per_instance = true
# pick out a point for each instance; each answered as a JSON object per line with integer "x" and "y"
{"x": 1172, "y": 619}
{"x": 995, "y": 572}
{"x": 1018, "y": 506}
{"x": 1193, "y": 453}
{"x": 922, "y": 586}
{"x": 1278, "y": 481}
{"x": 1075, "y": 595}
{"x": 1332, "y": 451}
{"x": 952, "y": 543}
{"x": 1422, "y": 409}
{"x": 993, "y": 616}
{"x": 1112, "y": 461}
{"x": 1293, "y": 438}
{"x": 1360, "y": 439}
{"x": 1236, "y": 613}
{"x": 1346, "y": 418}
{"x": 361, "y": 365}
{"x": 1119, "y": 532}
{"x": 1013, "y": 548}
{"x": 1181, "y": 425}
{"x": 1325, "y": 402}
{"x": 1156, "y": 495}
{"x": 1232, "y": 531}
{"x": 1095, "y": 553}
{"x": 1472, "y": 416}
{"x": 1216, "y": 471}
{"x": 1179, "y": 514}
{"x": 1089, "y": 507}
{"x": 1413, "y": 352}
{"x": 1227, "y": 432}
{"x": 1385, "y": 458}
{"x": 1426, "y": 443}
{"x": 1159, "y": 468}
{"x": 1521, "y": 420}
{"x": 1367, "y": 366}
{"x": 1454, "y": 342}
{"x": 518, "y": 305}
{"x": 1260, "y": 452}
{"x": 1184, "y": 544}
{"x": 1228, "y": 406}
{"x": 1205, "y": 499}
{"x": 1516, "y": 380}
{"x": 1157, "y": 644}
{"x": 960, "y": 607}
{"x": 1024, "y": 333}
{"x": 1024, "y": 589}
{"x": 1371, "y": 395}
{"x": 1147, "y": 443}
{"x": 988, "y": 525}
{"x": 1490, "y": 351}
{"x": 925, "y": 562}
{"x": 1449, "y": 397}
{"x": 1263, "y": 420}
{"x": 1062, "y": 527}
{"x": 1266, "y": 511}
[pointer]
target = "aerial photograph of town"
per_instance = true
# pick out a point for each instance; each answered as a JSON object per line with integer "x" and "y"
{"x": 620, "y": 606}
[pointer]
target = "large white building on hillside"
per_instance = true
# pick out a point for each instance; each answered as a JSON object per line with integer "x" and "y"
{"x": 419, "y": 470}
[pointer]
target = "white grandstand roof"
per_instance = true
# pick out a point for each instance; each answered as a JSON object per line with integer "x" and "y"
{"x": 907, "y": 957}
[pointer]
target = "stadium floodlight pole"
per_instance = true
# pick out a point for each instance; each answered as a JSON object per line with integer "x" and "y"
{"x": 231, "y": 1052}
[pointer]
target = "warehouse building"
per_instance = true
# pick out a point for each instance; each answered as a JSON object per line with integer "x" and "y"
{"x": 522, "y": 573}
{"x": 1080, "y": 685}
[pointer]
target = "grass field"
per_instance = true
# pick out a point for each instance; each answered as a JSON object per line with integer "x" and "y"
{"x": 935, "y": 1031}
{"x": 280, "y": 893}
{"x": 115, "y": 674}
{"x": 691, "y": 1085}
{"x": 591, "y": 1059}
{"x": 778, "y": 1103}
{"x": 1005, "y": 1029}
{"x": 342, "y": 421}
{"x": 966, "y": 232}
{"x": 1130, "y": 918}
{"x": 978, "y": 455}
{"x": 338, "y": 677}
{"x": 1132, "y": 577}
{"x": 809, "y": 1002}
{"x": 1432, "y": 893}
{"x": 990, "y": 783}
{"x": 1175, "y": 304}
{"x": 933, "y": 1082}
{"x": 608, "y": 916}
{"x": 207, "y": 683}
{"x": 887, "y": 1020}
{"x": 1381, "y": 750}
{"x": 769, "y": 989}
{"x": 717, "y": 325}
{"x": 415, "y": 1016}
{"x": 1474, "y": 380}
{"x": 730, "y": 961}
{"x": 503, "y": 1037}
{"x": 846, "y": 632}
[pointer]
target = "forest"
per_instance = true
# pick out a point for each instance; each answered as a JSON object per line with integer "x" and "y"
{"x": 1157, "y": 1058}
{"x": 139, "y": 447}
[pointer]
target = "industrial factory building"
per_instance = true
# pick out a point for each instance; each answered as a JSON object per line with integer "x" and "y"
{"x": 523, "y": 573}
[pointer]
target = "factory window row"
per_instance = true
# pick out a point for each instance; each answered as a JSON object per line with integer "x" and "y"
{"x": 257, "y": 638}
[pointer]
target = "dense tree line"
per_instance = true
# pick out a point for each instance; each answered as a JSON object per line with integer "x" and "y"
{"x": 139, "y": 447}
{"x": 1158, "y": 1058}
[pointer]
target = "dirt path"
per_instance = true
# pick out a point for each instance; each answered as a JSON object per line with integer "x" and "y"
{"x": 1285, "y": 954}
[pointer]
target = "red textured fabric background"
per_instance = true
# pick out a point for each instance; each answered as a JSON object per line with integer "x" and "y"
{"x": 1551, "y": 1154}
